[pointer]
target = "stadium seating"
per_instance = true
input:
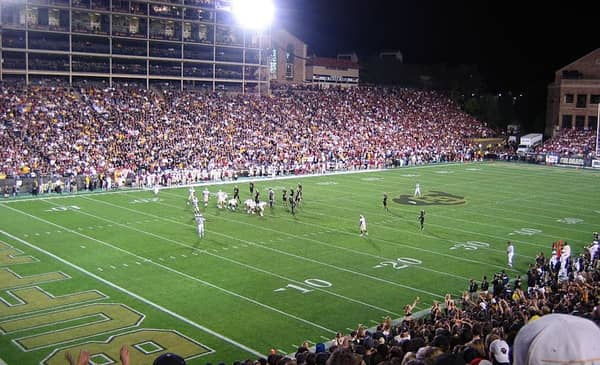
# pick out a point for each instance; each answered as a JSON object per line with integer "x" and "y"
{"x": 88, "y": 131}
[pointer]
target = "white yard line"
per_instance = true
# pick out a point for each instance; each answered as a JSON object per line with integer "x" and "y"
{"x": 255, "y": 244}
{"x": 167, "y": 268}
{"x": 448, "y": 227}
{"x": 459, "y": 258}
{"x": 132, "y": 294}
{"x": 239, "y": 263}
{"x": 399, "y": 219}
{"x": 524, "y": 198}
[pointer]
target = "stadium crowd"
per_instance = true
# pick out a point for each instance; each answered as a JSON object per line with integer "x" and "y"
{"x": 115, "y": 132}
{"x": 570, "y": 142}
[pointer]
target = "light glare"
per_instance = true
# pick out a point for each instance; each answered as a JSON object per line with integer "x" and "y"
{"x": 253, "y": 14}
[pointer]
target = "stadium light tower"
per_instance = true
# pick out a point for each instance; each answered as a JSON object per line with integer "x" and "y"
{"x": 253, "y": 14}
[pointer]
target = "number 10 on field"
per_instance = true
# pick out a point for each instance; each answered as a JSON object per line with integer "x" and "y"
{"x": 311, "y": 284}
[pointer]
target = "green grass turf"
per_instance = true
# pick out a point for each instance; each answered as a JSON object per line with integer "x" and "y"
{"x": 256, "y": 283}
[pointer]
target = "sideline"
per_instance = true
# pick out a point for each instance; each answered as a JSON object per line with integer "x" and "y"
{"x": 226, "y": 182}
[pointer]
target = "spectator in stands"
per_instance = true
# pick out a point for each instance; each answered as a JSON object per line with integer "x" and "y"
{"x": 114, "y": 132}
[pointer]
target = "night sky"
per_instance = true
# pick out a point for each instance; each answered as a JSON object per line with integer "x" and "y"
{"x": 517, "y": 46}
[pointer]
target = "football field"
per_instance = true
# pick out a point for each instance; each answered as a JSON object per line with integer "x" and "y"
{"x": 99, "y": 270}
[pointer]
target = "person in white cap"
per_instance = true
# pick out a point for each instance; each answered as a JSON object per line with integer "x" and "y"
{"x": 499, "y": 352}
{"x": 558, "y": 339}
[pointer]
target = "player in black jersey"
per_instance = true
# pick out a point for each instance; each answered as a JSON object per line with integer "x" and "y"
{"x": 284, "y": 197}
{"x": 292, "y": 204}
{"x": 251, "y": 188}
{"x": 271, "y": 197}
{"x": 385, "y": 197}
{"x": 256, "y": 199}
{"x": 299, "y": 194}
{"x": 422, "y": 219}
{"x": 236, "y": 193}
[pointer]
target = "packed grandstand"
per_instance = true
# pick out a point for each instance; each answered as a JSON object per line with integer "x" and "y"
{"x": 89, "y": 131}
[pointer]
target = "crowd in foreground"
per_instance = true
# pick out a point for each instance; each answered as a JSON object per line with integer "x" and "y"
{"x": 552, "y": 318}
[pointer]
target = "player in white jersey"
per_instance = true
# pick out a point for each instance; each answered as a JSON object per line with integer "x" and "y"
{"x": 195, "y": 204}
{"x": 191, "y": 195}
{"x": 205, "y": 195}
{"x": 417, "y": 190}
{"x": 221, "y": 197}
{"x": 362, "y": 225}
{"x": 156, "y": 189}
{"x": 510, "y": 252}
{"x": 200, "y": 222}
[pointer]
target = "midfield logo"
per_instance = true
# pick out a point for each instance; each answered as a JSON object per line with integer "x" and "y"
{"x": 431, "y": 198}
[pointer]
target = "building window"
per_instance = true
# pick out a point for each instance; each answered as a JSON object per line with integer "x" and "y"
{"x": 567, "y": 122}
{"x": 289, "y": 70}
{"x": 581, "y": 101}
{"x": 289, "y": 55}
{"x": 579, "y": 122}
{"x": 569, "y": 98}
{"x": 273, "y": 63}
{"x": 594, "y": 99}
{"x": 289, "y": 61}
{"x": 592, "y": 123}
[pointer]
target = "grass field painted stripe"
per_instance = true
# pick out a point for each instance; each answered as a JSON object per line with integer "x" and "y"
{"x": 251, "y": 267}
{"x": 167, "y": 268}
{"x": 335, "y": 246}
{"x": 540, "y": 198}
{"x": 515, "y": 212}
{"x": 252, "y": 243}
{"x": 355, "y": 203}
{"x": 400, "y": 219}
{"x": 434, "y": 253}
{"x": 134, "y": 295}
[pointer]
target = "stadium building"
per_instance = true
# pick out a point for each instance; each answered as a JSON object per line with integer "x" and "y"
{"x": 574, "y": 95}
{"x": 287, "y": 62}
{"x": 185, "y": 43}
{"x": 332, "y": 72}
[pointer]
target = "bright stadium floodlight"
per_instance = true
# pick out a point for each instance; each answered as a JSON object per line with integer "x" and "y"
{"x": 253, "y": 14}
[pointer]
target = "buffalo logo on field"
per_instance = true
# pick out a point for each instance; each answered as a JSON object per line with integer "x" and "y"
{"x": 431, "y": 198}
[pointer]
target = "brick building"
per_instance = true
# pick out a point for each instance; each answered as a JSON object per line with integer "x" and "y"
{"x": 332, "y": 72}
{"x": 574, "y": 95}
{"x": 287, "y": 61}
